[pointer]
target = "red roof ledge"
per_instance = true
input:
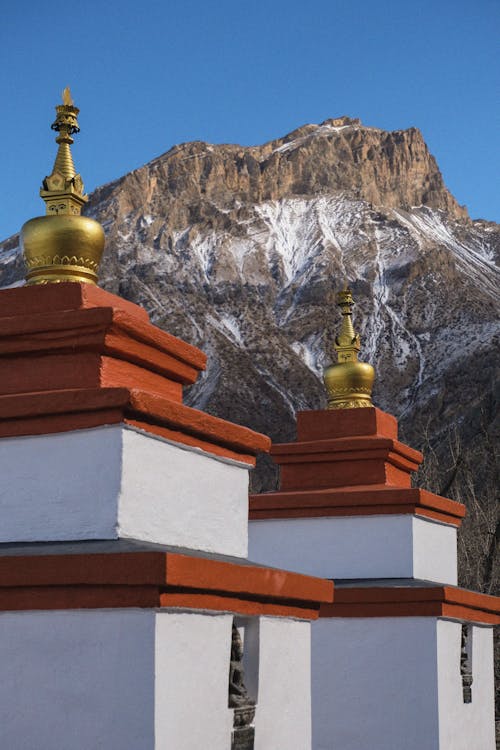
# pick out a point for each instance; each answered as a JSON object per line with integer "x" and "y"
{"x": 185, "y": 424}
{"x": 73, "y": 409}
{"x": 157, "y": 579}
{"x": 377, "y": 600}
{"x": 370, "y": 500}
{"x": 63, "y": 296}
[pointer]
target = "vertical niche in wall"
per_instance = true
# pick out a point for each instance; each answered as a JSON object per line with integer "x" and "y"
{"x": 244, "y": 681}
{"x": 466, "y": 662}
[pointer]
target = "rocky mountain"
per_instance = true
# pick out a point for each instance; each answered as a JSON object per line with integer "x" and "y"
{"x": 239, "y": 250}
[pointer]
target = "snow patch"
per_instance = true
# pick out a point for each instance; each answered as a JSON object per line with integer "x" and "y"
{"x": 202, "y": 249}
{"x": 228, "y": 326}
{"x": 319, "y": 131}
{"x": 9, "y": 256}
{"x": 14, "y": 285}
{"x": 478, "y": 267}
{"x": 309, "y": 351}
{"x": 232, "y": 325}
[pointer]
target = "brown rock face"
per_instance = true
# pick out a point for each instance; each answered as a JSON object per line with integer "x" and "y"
{"x": 391, "y": 169}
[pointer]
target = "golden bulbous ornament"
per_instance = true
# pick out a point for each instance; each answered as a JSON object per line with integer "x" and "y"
{"x": 348, "y": 382}
{"x": 349, "y": 385}
{"x": 62, "y": 248}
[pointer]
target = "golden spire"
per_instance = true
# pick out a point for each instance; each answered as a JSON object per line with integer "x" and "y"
{"x": 62, "y": 190}
{"x": 63, "y": 246}
{"x": 349, "y": 382}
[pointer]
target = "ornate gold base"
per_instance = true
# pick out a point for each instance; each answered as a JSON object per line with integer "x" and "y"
{"x": 59, "y": 274}
{"x": 353, "y": 404}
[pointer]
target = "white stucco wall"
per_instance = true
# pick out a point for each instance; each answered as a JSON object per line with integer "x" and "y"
{"x": 62, "y": 486}
{"x": 283, "y": 718}
{"x": 135, "y": 679}
{"x": 113, "y": 481}
{"x": 434, "y": 551}
{"x": 81, "y": 680}
{"x": 465, "y": 726}
{"x": 375, "y": 684}
{"x": 387, "y": 546}
{"x": 192, "y": 678}
{"x": 194, "y": 499}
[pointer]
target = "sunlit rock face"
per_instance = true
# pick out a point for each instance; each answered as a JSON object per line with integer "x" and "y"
{"x": 239, "y": 250}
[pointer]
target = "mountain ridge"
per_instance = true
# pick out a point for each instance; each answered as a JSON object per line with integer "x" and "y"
{"x": 282, "y": 167}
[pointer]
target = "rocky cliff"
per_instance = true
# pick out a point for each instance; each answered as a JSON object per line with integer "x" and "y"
{"x": 386, "y": 169}
{"x": 239, "y": 250}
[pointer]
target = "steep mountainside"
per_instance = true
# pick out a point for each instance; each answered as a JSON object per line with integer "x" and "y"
{"x": 239, "y": 250}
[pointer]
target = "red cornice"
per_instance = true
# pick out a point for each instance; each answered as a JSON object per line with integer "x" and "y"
{"x": 413, "y": 601}
{"x": 107, "y": 330}
{"x": 338, "y": 448}
{"x": 63, "y": 411}
{"x": 73, "y": 356}
{"x": 355, "y": 501}
{"x": 323, "y": 424}
{"x": 66, "y": 296}
{"x": 339, "y": 461}
{"x": 157, "y": 579}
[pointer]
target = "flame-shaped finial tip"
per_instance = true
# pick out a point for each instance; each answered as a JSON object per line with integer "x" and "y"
{"x": 67, "y": 98}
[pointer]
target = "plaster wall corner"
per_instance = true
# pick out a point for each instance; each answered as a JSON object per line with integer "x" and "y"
{"x": 434, "y": 551}
{"x": 183, "y": 497}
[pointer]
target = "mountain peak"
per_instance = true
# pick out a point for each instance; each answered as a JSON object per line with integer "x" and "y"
{"x": 340, "y": 155}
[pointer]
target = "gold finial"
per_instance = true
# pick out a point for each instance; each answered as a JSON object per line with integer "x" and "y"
{"x": 62, "y": 190}
{"x": 63, "y": 245}
{"x": 349, "y": 382}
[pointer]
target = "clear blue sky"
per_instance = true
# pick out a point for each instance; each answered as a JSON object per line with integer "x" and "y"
{"x": 149, "y": 75}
